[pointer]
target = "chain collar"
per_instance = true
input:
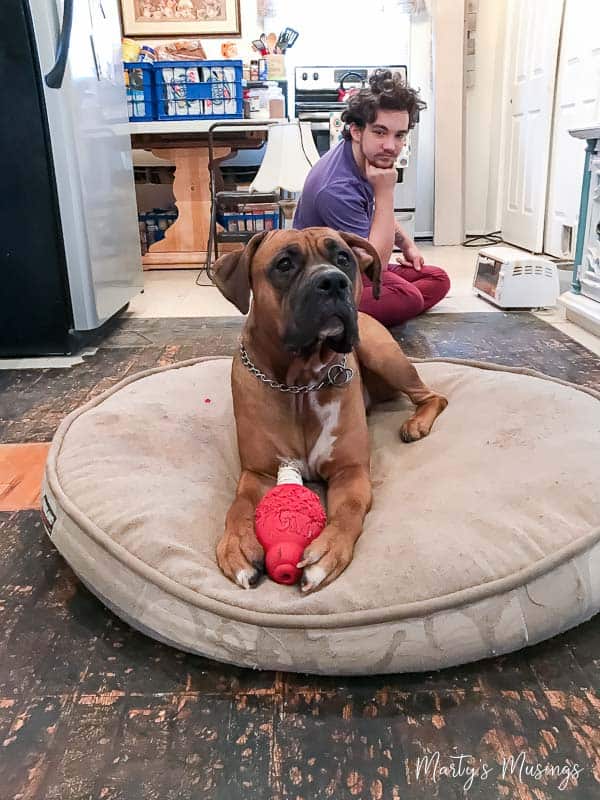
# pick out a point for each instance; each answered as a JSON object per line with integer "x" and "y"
{"x": 337, "y": 375}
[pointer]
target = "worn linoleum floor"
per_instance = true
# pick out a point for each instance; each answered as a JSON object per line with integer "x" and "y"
{"x": 89, "y": 708}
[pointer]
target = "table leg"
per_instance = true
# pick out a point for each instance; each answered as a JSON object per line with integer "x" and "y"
{"x": 185, "y": 241}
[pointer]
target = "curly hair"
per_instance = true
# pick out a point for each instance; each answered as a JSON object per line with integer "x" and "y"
{"x": 387, "y": 91}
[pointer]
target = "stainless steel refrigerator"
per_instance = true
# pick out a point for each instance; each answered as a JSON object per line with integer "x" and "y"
{"x": 69, "y": 243}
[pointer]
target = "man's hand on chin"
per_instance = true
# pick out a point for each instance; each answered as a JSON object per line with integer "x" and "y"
{"x": 381, "y": 178}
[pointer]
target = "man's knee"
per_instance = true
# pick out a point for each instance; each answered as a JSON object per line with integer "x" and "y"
{"x": 408, "y": 305}
{"x": 434, "y": 284}
{"x": 440, "y": 283}
{"x": 394, "y": 306}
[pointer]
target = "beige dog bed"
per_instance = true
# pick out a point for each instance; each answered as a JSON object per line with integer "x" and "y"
{"x": 483, "y": 538}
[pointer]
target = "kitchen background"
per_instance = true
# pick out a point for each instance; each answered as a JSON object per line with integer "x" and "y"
{"x": 504, "y": 82}
{"x": 391, "y": 33}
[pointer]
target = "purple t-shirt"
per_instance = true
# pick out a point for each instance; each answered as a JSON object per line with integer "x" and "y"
{"x": 336, "y": 195}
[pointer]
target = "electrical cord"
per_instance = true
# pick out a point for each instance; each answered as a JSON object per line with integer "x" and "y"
{"x": 495, "y": 237}
{"x": 484, "y": 239}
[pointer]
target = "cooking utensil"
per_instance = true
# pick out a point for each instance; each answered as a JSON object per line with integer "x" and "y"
{"x": 260, "y": 45}
{"x": 271, "y": 41}
{"x": 287, "y": 39}
{"x": 290, "y": 36}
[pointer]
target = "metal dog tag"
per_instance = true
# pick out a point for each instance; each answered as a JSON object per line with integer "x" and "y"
{"x": 339, "y": 375}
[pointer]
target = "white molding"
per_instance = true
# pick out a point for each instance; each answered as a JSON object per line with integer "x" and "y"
{"x": 448, "y": 56}
{"x": 581, "y": 310}
{"x": 590, "y": 132}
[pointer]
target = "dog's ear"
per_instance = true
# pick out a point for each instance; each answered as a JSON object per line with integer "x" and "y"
{"x": 368, "y": 259}
{"x": 232, "y": 273}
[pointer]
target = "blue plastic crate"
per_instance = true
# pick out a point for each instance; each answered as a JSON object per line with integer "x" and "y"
{"x": 154, "y": 225}
{"x": 254, "y": 222}
{"x": 141, "y": 98}
{"x": 198, "y": 89}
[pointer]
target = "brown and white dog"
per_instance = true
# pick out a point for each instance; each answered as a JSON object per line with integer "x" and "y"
{"x": 306, "y": 286}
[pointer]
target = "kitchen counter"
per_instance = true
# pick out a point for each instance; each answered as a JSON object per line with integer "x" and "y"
{"x": 198, "y": 125}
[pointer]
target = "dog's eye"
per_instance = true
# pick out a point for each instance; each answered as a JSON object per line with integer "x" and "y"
{"x": 343, "y": 260}
{"x": 284, "y": 265}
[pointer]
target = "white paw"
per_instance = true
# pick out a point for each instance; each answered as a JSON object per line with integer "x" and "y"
{"x": 312, "y": 577}
{"x": 243, "y": 578}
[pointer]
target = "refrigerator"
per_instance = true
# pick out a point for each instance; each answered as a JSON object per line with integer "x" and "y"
{"x": 70, "y": 254}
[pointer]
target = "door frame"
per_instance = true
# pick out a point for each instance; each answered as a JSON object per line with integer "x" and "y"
{"x": 510, "y": 52}
{"x": 448, "y": 22}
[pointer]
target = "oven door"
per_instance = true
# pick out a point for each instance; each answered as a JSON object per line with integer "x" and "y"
{"x": 317, "y": 114}
{"x": 320, "y": 132}
{"x": 487, "y": 275}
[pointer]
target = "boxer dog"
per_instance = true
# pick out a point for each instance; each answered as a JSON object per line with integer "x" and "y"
{"x": 308, "y": 367}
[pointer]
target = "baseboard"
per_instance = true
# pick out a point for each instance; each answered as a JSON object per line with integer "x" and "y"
{"x": 581, "y": 310}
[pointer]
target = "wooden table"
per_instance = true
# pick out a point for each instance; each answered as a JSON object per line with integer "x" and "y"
{"x": 185, "y": 144}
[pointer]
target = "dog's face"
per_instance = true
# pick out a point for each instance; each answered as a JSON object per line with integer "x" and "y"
{"x": 306, "y": 285}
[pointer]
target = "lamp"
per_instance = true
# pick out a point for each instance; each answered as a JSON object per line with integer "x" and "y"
{"x": 289, "y": 155}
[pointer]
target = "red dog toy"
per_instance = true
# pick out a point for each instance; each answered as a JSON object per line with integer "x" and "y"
{"x": 288, "y": 518}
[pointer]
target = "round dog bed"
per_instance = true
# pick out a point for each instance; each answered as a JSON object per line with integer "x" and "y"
{"x": 483, "y": 537}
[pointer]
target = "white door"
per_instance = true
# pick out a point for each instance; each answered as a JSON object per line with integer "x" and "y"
{"x": 532, "y": 40}
{"x": 577, "y": 105}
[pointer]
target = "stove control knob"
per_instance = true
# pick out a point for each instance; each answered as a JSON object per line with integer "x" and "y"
{"x": 315, "y": 76}
{"x": 304, "y": 76}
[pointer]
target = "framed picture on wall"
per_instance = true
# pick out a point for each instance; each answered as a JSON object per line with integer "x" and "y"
{"x": 157, "y": 18}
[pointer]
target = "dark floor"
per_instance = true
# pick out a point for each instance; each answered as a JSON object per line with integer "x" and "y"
{"x": 91, "y": 709}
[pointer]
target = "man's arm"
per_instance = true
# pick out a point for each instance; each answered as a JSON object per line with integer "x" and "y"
{"x": 382, "y": 232}
{"x": 411, "y": 255}
{"x": 385, "y": 230}
{"x": 400, "y": 235}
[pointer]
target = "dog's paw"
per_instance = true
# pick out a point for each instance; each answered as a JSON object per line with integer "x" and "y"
{"x": 420, "y": 424}
{"x": 414, "y": 429}
{"x": 241, "y": 559}
{"x": 323, "y": 560}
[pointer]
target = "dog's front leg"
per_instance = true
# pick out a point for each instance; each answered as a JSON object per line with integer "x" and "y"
{"x": 348, "y": 501}
{"x": 239, "y": 553}
{"x": 387, "y": 372}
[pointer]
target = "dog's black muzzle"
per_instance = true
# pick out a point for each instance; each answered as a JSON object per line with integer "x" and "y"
{"x": 322, "y": 309}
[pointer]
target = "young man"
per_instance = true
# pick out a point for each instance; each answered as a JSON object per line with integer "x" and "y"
{"x": 351, "y": 188}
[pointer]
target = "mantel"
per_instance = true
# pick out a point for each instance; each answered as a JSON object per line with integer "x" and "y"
{"x": 589, "y": 132}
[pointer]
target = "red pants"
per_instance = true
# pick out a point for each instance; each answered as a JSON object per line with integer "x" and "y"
{"x": 405, "y": 293}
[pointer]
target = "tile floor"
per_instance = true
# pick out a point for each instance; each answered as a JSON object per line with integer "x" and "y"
{"x": 174, "y": 293}
{"x": 91, "y": 708}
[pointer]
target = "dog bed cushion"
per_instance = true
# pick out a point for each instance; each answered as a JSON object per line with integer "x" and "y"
{"x": 483, "y": 537}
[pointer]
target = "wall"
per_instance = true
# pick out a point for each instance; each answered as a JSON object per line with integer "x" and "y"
{"x": 250, "y": 30}
{"x": 483, "y": 122}
{"x": 448, "y": 40}
{"x": 331, "y": 34}
{"x": 498, "y": 123}
{"x": 483, "y": 103}
{"x": 421, "y": 77}
{"x": 328, "y": 33}
{"x": 577, "y": 104}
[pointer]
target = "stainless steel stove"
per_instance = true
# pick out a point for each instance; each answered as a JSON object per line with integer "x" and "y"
{"x": 317, "y": 88}
{"x": 317, "y": 97}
